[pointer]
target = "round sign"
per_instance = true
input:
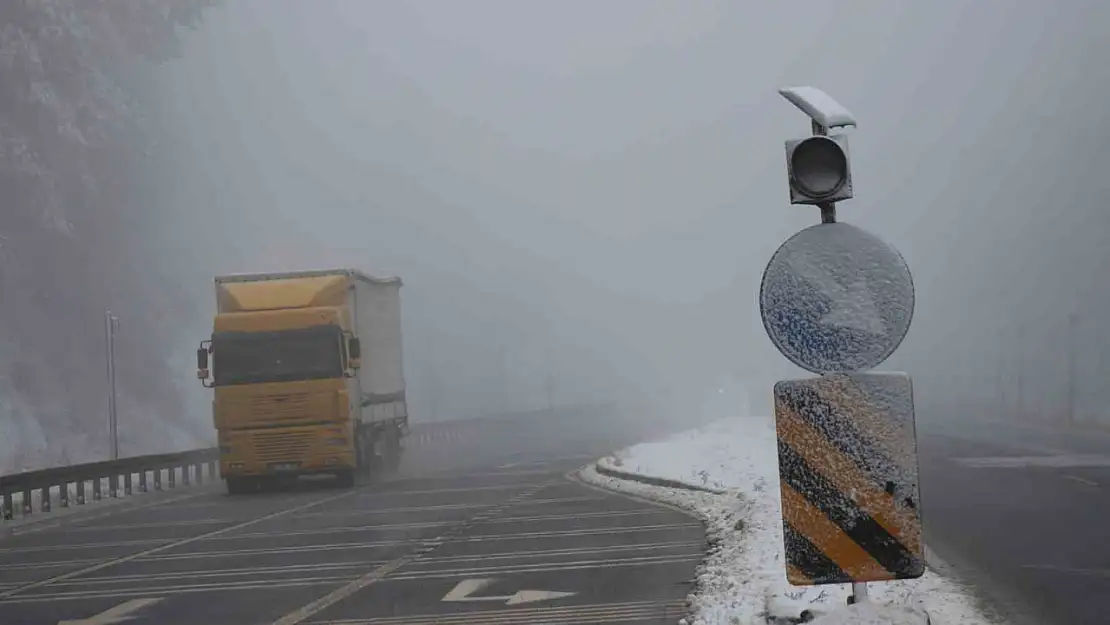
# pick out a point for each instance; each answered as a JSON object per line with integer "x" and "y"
{"x": 836, "y": 298}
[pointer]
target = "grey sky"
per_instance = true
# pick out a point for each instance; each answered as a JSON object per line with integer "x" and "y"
{"x": 612, "y": 173}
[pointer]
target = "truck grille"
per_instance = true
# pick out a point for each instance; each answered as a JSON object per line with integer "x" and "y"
{"x": 286, "y": 407}
{"x": 275, "y": 445}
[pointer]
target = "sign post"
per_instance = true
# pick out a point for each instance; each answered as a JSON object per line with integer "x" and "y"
{"x": 837, "y": 301}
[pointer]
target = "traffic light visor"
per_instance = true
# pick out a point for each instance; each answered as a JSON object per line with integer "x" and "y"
{"x": 819, "y": 166}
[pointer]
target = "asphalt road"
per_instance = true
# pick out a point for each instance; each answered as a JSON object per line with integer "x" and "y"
{"x": 479, "y": 527}
{"x": 1024, "y": 513}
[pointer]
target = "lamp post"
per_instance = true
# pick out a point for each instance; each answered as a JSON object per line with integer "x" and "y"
{"x": 111, "y": 325}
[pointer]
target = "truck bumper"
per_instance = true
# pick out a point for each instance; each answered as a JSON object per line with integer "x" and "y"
{"x": 295, "y": 450}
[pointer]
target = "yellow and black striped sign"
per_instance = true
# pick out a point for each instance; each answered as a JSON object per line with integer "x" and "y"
{"x": 847, "y": 452}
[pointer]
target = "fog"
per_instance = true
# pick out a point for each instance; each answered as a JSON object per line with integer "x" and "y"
{"x": 581, "y": 197}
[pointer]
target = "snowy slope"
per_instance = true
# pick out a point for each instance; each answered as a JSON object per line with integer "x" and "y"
{"x": 742, "y": 581}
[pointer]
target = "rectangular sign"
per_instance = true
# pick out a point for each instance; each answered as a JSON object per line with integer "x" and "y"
{"x": 848, "y": 475}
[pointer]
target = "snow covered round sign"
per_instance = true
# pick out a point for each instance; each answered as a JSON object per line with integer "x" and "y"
{"x": 836, "y": 298}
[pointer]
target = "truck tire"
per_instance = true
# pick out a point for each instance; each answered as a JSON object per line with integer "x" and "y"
{"x": 238, "y": 486}
{"x": 364, "y": 451}
{"x": 346, "y": 478}
{"x": 392, "y": 460}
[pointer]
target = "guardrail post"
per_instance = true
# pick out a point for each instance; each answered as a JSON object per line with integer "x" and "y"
{"x": 97, "y": 486}
{"x": 44, "y": 492}
{"x": 8, "y": 511}
{"x": 63, "y": 494}
{"x": 81, "y": 492}
{"x": 142, "y": 481}
{"x": 158, "y": 479}
{"x": 27, "y": 508}
{"x": 127, "y": 483}
{"x": 172, "y": 474}
{"x": 185, "y": 474}
{"x": 113, "y": 486}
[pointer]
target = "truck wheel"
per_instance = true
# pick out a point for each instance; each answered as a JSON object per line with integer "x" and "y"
{"x": 238, "y": 486}
{"x": 363, "y": 451}
{"x": 392, "y": 458}
{"x": 345, "y": 478}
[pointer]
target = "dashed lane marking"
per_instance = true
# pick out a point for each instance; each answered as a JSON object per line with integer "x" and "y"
{"x": 1081, "y": 480}
{"x": 594, "y": 614}
{"x": 6, "y": 594}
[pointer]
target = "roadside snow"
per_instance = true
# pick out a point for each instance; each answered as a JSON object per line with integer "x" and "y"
{"x": 742, "y": 581}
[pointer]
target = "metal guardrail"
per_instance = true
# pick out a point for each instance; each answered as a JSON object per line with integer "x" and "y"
{"x": 120, "y": 474}
{"x": 191, "y": 464}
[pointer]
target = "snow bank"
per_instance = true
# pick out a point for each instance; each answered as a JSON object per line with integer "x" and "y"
{"x": 742, "y": 581}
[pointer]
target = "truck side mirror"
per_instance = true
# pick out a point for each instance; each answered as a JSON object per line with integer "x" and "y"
{"x": 202, "y": 358}
{"x": 354, "y": 351}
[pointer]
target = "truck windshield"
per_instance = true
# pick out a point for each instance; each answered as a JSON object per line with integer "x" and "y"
{"x": 280, "y": 356}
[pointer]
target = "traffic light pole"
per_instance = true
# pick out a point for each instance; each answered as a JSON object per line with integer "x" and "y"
{"x": 828, "y": 209}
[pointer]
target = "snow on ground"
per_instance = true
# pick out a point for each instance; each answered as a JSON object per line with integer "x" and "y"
{"x": 742, "y": 581}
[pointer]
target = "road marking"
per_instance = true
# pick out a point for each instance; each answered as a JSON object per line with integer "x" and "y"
{"x": 209, "y": 574}
{"x": 339, "y": 594}
{"x": 581, "y": 532}
{"x": 462, "y": 591}
{"x": 263, "y": 551}
{"x": 178, "y": 589}
{"x": 1069, "y": 569}
{"x": 1069, "y": 461}
{"x": 93, "y": 513}
{"x": 576, "y": 515}
{"x": 185, "y": 541}
{"x": 143, "y": 526}
{"x": 79, "y": 546}
{"x": 121, "y": 612}
{"x": 578, "y": 565}
{"x": 356, "y": 512}
{"x": 22, "y": 566}
{"x": 1081, "y": 480}
{"x": 697, "y": 545}
{"x": 342, "y": 529}
{"x": 439, "y": 491}
{"x": 594, "y": 614}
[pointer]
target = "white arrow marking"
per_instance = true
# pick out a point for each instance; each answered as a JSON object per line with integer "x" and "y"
{"x": 462, "y": 591}
{"x": 852, "y": 306}
{"x": 118, "y": 614}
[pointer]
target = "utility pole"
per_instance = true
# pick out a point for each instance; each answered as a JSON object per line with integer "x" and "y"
{"x": 550, "y": 383}
{"x": 1073, "y": 348}
{"x": 111, "y": 326}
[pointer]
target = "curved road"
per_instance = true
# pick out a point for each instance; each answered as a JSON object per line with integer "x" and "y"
{"x": 480, "y": 526}
{"x": 1024, "y": 513}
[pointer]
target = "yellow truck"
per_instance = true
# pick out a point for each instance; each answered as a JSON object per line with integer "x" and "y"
{"x": 307, "y": 375}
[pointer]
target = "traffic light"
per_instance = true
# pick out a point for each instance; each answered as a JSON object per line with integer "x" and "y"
{"x": 819, "y": 169}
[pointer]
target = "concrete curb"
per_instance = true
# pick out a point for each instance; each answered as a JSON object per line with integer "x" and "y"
{"x": 602, "y": 468}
